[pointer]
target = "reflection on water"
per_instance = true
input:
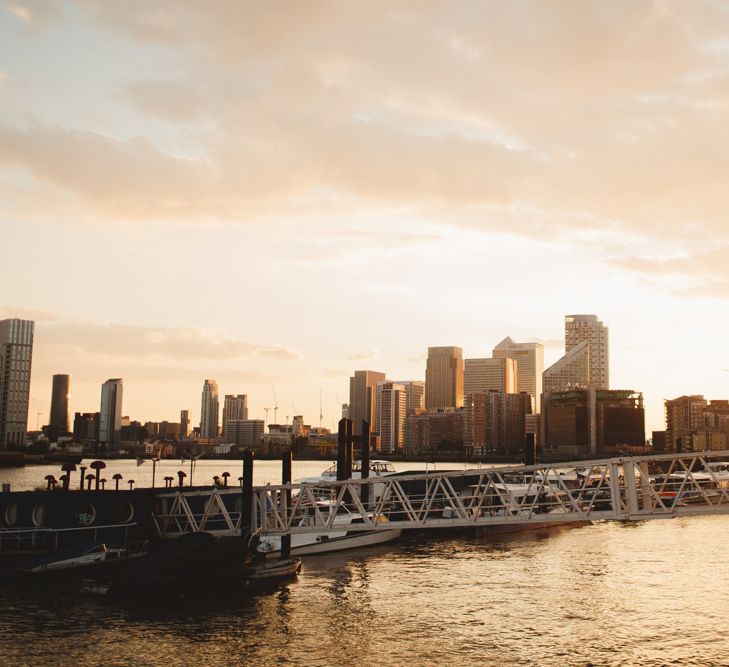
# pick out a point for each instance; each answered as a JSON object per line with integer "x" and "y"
{"x": 606, "y": 594}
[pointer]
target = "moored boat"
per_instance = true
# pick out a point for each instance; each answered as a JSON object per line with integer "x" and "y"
{"x": 339, "y": 538}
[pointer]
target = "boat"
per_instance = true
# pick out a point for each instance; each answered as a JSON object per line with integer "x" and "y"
{"x": 307, "y": 544}
{"x": 378, "y": 468}
{"x": 270, "y": 573}
{"x": 81, "y": 559}
{"x": 507, "y": 498}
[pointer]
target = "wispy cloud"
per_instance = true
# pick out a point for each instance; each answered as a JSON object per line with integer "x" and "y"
{"x": 179, "y": 344}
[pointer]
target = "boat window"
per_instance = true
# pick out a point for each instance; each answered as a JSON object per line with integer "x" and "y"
{"x": 85, "y": 514}
{"x": 124, "y": 512}
{"x": 39, "y": 515}
{"x": 10, "y": 516}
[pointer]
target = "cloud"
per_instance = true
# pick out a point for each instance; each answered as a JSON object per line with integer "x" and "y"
{"x": 551, "y": 343}
{"x": 179, "y": 344}
{"x": 688, "y": 274}
{"x": 33, "y": 13}
{"x": 374, "y": 353}
{"x": 525, "y": 118}
{"x": 28, "y": 314}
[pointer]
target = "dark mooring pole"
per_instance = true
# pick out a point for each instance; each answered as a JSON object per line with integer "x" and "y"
{"x": 286, "y": 479}
{"x": 341, "y": 442}
{"x": 364, "y": 456}
{"x": 246, "y": 496}
{"x": 530, "y": 450}
{"x": 348, "y": 451}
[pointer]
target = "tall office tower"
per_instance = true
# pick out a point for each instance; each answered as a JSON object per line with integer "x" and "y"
{"x": 572, "y": 370}
{"x": 363, "y": 399}
{"x": 16, "y": 353}
{"x": 58, "y": 422}
{"x": 391, "y": 413}
{"x": 684, "y": 416}
{"x": 209, "y": 410}
{"x": 110, "y": 414}
{"x": 530, "y": 365}
{"x": 235, "y": 407}
{"x": 579, "y": 328}
{"x": 184, "y": 424}
{"x": 415, "y": 393}
{"x": 444, "y": 378}
{"x": 490, "y": 375}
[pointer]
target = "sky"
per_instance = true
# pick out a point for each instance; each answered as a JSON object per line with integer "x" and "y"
{"x": 273, "y": 195}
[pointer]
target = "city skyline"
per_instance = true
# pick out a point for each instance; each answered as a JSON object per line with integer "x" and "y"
{"x": 258, "y": 409}
{"x": 344, "y": 195}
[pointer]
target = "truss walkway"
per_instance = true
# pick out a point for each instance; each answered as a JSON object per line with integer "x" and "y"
{"x": 619, "y": 489}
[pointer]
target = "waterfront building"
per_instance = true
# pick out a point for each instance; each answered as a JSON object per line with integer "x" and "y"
{"x": 209, "y": 410}
{"x": 684, "y": 416}
{"x": 498, "y": 374}
{"x": 58, "y": 421}
{"x": 16, "y": 356}
{"x": 587, "y": 328}
{"x": 571, "y": 371}
{"x": 363, "y": 399}
{"x": 529, "y": 358}
{"x": 110, "y": 414}
{"x": 436, "y": 430}
{"x": 415, "y": 395}
{"x": 587, "y": 422}
{"x": 444, "y": 378}
{"x": 246, "y": 433}
{"x": 235, "y": 407}
{"x": 86, "y": 426}
{"x": 495, "y": 421}
{"x": 184, "y": 424}
{"x": 391, "y": 414}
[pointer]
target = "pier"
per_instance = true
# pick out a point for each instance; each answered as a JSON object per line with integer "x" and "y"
{"x": 617, "y": 489}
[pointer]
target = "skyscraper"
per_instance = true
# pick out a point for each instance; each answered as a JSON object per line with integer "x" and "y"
{"x": 530, "y": 365}
{"x": 209, "y": 410}
{"x": 391, "y": 413}
{"x": 579, "y": 328}
{"x": 58, "y": 421}
{"x": 235, "y": 407}
{"x": 444, "y": 378}
{"x": 16, "y": 353}
{"x": 490, "y": 375}
{"x": 415, "y": 393}
{"x": 570, "y": 371}
{"x": 184, "y": 424}
{"x": 363, "y": 399}
{"x": 110, "y": 414}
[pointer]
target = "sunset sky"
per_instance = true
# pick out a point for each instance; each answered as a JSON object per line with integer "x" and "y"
{"x": 279, "y": 193}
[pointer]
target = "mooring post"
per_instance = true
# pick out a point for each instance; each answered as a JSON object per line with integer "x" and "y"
{"x": 348, "y": 451}
{"x": 286, "y": 459}
{"x": 83, "y": 470}
{"x": 530, "y": 450}
{"x": 246, "y": 496}
{"x": 364, "y": 456}
{"x": 341, "y": 442}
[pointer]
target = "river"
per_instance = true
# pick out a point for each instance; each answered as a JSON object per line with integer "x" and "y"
{"x": 646, "y": 593}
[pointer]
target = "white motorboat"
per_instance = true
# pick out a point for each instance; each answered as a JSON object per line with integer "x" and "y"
{"x": 378, "y": 468}
{"x": 342, "y": 537}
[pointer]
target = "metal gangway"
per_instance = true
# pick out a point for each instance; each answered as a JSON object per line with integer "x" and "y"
{"x": 616, "y": 489}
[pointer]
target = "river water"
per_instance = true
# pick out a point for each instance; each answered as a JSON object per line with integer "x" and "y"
{"x": 648, "y": 593}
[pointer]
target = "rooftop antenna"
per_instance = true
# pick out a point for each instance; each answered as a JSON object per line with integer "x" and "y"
{"x": 265, "y": 421}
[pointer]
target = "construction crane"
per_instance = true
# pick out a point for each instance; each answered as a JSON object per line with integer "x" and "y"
{"x": 275, "y": 405}
{"x": 266, "y": 421}
{"x": 321, "y": 413}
